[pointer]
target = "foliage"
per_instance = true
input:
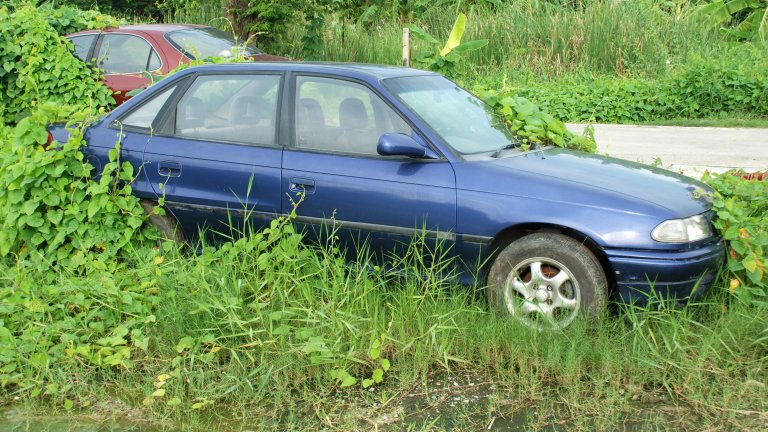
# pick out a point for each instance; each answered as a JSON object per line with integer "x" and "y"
{"x": 741, "y": 205}
{"x": 733, "y": 83}
{"x": 264, "y": 20}
{"x": 54, "y": 212}
{"x": 443, "y": 60}
{"x": 141, "y": 8}
{"x": 36, "y": 67}
{"x": 748, "y": 18}
{"x": 533, "y": 124}
{"x": 66, "y": 20}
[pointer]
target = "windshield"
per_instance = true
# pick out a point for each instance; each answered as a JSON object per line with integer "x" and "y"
{"x": 464, "y": 122}
{"x": 208, "y": 42}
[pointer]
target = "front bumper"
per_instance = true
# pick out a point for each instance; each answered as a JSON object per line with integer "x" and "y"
{"x": 664, "y": 275}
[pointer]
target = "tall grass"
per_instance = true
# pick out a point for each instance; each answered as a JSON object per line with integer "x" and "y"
{"x": 207, "y": 12}
{"x": 536, "y": 38}
{"x": 257, "y": 330}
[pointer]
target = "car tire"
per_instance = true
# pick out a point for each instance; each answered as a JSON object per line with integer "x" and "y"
{"x": 166, "y": 223}
{"x": 546, "y": 280}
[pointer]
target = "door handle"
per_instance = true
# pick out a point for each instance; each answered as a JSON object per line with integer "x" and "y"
{"x": 302, "y": 184}
{"x": 169, "y": 169}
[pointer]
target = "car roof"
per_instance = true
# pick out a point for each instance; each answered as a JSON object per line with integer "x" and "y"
{"x": 148, "y": 28}
{"x": 350, "y": 69}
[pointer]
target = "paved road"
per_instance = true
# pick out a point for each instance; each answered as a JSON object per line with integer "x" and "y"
{"x": 689, "y": 150}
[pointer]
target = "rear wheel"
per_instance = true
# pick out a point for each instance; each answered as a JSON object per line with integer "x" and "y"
{"x": 166, "y": 223}
{"x": 546, "y": 280}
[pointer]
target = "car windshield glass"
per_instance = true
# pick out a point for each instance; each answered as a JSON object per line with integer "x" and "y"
{"x": 464, "y": 122}
{"x": 208, "y": 42}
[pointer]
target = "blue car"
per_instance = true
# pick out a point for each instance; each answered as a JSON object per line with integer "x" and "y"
{"x": 388, "y": 154}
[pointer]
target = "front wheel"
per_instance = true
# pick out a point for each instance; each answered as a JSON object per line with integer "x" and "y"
{"x": 546, "y": 280}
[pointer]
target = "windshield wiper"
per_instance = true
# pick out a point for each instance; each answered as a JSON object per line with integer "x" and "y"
{"x": 514, "y": 144}
{"x": 497, "y": 153}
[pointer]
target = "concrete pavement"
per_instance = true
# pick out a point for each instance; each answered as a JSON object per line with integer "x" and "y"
{"x": 689, "y": 150}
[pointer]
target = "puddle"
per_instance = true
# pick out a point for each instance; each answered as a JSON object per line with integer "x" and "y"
{"x": 444, "y": 403}
{"x": 14, "y": 421}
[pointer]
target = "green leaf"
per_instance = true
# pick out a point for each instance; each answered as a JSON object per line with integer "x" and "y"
{"x": 378, "y": 375}
{"x": 185, "y": 343}
{"x": 418, "y": 31}
{"x": 470, "y": 46}
{"x": 454, "y": 39}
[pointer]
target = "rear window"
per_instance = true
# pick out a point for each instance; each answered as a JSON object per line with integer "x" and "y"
{"x": 208, "y": 42}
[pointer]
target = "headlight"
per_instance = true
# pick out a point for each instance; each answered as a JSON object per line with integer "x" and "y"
{"x": 683, "y": 230}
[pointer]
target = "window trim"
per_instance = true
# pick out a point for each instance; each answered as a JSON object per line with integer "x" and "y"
{"x": 291, "y": 125}
{"x": 97, "y": 48}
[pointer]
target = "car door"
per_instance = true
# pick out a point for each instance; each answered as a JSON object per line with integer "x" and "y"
{"x": 215, "y": 157}
{"x": 125, "y": 59}
{"x": 345, "y": 183}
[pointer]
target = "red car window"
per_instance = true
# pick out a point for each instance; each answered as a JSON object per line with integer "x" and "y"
{"x": 124, "y": 54}
{"x": 82, "y": 46}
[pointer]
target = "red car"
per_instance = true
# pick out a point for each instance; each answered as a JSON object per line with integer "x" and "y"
{"x": 125, "y": 53}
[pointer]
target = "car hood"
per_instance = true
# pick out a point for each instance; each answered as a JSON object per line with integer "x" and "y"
{"x": 593, "y": 180}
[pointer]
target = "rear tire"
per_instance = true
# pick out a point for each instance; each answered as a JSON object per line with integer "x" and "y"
{"x": 546, "y": 280}
{"x": 166, "y": 223}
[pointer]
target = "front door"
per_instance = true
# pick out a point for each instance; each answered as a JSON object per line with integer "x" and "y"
{"x": 347, "y": 185}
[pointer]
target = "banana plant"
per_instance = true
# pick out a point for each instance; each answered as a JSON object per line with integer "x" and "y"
{"x": 750, "y": 18}
{"x": 443, "y": 60}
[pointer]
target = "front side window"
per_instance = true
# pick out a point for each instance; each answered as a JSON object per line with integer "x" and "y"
{"x": 82, "y": 46}
{"x": 464, "y": 122}
{"x": 341, "y": 116}
{"x": 144, "y": 116}
{"x": 122, "y": 54}
{"x": 231, "y": 108}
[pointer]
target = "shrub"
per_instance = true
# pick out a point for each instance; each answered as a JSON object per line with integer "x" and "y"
{"x": 734, "y": 83}
{"x": 53, "y": 211}
{"x": 741, "y": 204}
{"x": 36, "y": 66}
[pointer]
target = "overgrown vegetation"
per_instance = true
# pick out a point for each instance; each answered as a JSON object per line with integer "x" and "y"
{"x": 35, "y": 69}
{"x": 266, "y": 332}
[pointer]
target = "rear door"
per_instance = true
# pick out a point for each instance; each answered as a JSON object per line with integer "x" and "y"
{"x": 125, "y": 59}
{"x": 215, "y": 157}
{"x": 344, "y": 181}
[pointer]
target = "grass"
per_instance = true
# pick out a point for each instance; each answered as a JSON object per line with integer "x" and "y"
{"x": 236, "y": 332}
{"x": 538, "y": 40}
{"x": 617, "y": 38}
{"x": 726, "y": 121}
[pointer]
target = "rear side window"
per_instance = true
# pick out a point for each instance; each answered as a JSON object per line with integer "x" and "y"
{"x": 82, "y": 46}
{"x": 144, "y": 116}
{"x": 231, "y": 108}
{"x": 122, "y": 53}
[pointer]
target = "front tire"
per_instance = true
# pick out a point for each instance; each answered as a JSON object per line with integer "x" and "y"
{"x": 546, "y": 280}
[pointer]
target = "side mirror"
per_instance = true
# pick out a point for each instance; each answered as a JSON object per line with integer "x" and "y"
{"x": 397, "y": 144}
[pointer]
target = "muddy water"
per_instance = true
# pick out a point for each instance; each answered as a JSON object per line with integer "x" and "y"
{"x": 15, "y": 421}
{"x": 445, "y": 402}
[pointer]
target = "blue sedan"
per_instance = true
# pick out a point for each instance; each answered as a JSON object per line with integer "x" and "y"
{"x": 387, "y": 154}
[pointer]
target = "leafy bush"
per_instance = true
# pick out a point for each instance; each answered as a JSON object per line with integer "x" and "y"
{"x": 733, "y": 83}
{"x": 742, "y": 218}
{"x": 443, "y": 60}
{"x": 36, "y": 67}
{"x": 534, "y": 124}
{"x": 53, "y": 211}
